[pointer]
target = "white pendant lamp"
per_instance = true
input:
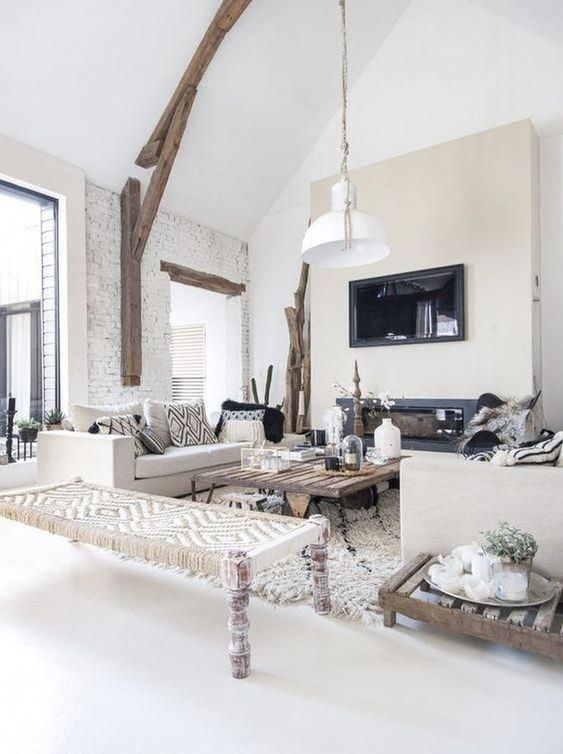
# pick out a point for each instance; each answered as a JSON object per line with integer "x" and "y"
{"x": 344, "y": 237}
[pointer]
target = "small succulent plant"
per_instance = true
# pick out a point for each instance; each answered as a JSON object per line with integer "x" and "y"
{"x": 509, "y": 542}
{"x": 54, "y": 416}
{"x": 28, "y": 424}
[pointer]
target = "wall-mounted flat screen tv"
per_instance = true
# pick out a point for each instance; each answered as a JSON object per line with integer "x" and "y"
{"x": 426, "y": 306}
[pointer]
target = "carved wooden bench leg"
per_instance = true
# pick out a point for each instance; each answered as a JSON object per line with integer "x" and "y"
{"x": 237, "y": 575}
{"x": 389, "y": 618}
{"x": 321, "y": 591}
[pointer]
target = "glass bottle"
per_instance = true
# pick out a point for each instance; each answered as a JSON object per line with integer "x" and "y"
{"x": 332, "y": 457}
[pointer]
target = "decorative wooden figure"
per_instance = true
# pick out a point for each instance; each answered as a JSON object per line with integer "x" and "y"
{"x": 357, "y": 394}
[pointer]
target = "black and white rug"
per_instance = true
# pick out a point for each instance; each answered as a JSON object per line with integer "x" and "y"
{"x": 364, "y": 551}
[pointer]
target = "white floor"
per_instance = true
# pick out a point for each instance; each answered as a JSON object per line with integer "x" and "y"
{"x": 105, "y": 657}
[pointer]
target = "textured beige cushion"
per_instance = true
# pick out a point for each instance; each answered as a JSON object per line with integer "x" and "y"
{"x": 82, "y": 416}
{"x": 179, "y": 460}
{"x": 242, "y": 430}
{"x": 156, "y": 419}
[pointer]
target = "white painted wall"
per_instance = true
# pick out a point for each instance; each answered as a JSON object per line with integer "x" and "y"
{"x": 551, "y": 195}
{"x": 27, "y": 167}
{"x": 468, "y": 201}
{"x": 194, "y": 306}
{"x": 448, "y": 69}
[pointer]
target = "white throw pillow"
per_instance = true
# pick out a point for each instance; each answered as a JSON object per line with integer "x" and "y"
{"x": 83, "y": 416}
{"x": 155, "y": 414}
{"x": 242, "y": 430}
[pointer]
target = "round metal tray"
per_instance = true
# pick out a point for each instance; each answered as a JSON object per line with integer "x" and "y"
{"x": 541, "y": 590}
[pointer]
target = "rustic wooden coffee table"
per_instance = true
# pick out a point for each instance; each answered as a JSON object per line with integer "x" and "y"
{"x": 302, "y": 483}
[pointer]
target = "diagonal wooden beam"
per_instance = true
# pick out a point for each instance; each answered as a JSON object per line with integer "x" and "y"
{"x": 228, "y": 14}
{"x": 161, "y": 174}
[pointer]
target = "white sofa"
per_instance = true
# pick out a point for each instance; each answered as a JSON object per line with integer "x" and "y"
{"x": 110, "y": 460}
{"x": 446, "y": 501}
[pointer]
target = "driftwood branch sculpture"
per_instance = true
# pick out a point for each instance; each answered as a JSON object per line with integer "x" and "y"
{"x": 298, "y": 370}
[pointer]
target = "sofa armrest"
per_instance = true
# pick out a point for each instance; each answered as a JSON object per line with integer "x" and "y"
{"x": 446, "y": 502}
{"x": 101, "y": 459}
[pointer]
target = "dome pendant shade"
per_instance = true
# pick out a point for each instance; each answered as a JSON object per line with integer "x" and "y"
{"x": 324, "y": 242}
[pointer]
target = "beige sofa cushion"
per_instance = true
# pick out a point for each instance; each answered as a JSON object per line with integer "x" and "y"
{"x": 83, "y": 416}
{"x": 178, "y": 460}
{"x": 156, "y": 419}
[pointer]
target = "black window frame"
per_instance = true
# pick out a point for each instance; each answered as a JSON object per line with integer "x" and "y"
{"x": 20, "y": 307}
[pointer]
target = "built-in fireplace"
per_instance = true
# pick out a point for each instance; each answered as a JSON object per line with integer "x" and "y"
{"x": 425, "y": 423}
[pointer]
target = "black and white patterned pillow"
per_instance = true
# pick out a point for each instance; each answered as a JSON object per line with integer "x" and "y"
{"x": 188, "y": 424}
{"x": 152, "y": 441}
{"x": 545, "y": 451}
{"x": 256, "y": 415}
{"x": 127, "y": 425}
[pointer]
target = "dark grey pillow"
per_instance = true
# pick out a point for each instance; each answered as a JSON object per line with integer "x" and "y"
{"x": 152, "y": 441}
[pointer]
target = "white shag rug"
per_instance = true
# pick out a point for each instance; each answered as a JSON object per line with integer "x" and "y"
{"x": 363, "y": 552}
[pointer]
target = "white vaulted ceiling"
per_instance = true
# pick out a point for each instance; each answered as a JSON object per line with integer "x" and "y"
{"x": 86, "y": 81}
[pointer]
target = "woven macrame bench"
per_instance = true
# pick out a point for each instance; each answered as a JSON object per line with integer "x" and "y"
{"x": 197, "y": 537}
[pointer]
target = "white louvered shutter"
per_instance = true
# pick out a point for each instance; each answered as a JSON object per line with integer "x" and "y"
{"x": 188, "y": 362}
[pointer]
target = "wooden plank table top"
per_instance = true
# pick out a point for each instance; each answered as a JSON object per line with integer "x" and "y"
{"x": 303, "y": 478}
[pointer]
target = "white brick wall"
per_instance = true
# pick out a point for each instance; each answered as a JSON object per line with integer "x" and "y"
{"x": 173, "y": 239}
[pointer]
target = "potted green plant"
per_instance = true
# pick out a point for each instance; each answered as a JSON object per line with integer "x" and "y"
{"x": 53, "y": 419}
{"x": 512, "y": 553}
{"x": 28, "y": 429}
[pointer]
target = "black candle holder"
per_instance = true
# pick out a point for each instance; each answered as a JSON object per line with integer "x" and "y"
{"x": 10, "y": 413}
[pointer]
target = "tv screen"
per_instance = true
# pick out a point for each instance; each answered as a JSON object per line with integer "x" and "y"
{"x": 414, "y": 307}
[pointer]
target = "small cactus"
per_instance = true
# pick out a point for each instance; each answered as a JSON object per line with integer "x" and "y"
{"x": 254, "y": 388}
{"x": 268, "y": 384}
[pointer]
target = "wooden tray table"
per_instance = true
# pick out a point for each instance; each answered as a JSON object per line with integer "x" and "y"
{"x": 534, "y": 629}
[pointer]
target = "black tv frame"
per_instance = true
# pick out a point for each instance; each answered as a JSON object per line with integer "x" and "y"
{"x": 355, "y": 285}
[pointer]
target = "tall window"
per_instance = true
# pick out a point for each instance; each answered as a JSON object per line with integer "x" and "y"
{"x": 188, "y": 362}
{"x": 29, "y": 332}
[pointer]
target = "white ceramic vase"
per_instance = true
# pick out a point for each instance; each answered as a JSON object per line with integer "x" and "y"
{"x": 387, "y": 439}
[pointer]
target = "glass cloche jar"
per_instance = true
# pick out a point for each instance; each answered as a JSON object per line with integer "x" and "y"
{"x": 352, "y": 453}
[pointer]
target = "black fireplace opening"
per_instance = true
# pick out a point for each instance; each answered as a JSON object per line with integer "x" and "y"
{"x": 425, "y": 423}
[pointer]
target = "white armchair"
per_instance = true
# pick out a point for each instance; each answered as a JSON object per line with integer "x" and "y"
{"x": 447, "y": 501}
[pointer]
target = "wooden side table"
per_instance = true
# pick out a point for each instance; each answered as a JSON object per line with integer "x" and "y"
{"x": 534, "y": 629}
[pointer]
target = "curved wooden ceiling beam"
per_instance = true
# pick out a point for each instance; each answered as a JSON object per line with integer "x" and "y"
{"x": 159, "y": 152}
{"x": 225, "y": 18}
